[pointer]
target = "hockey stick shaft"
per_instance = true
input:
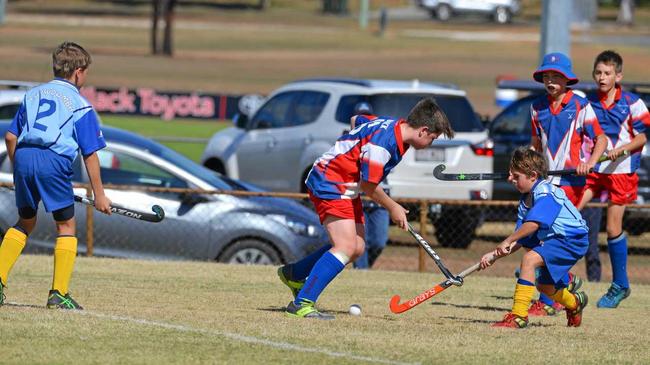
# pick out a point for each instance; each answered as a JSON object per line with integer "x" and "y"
{"x": 397, "y": 307}
{"x": 155, "y": 217}
{"x": 427, "y": 247}
{"x": 438, "y": 173}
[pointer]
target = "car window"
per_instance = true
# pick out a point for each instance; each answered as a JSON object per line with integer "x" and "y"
{"x": 8, "y": 111}
{"x": 274, "y": 113}
{"x": 515, "y": 119}
{"x": 123, "y": 169}
{"x": 457, "y": 108}
{"x": 307, "y": 107}
{"x": 5, "y": 166}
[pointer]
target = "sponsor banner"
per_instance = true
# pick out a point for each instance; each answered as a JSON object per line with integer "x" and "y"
{"x": 164, "y": 104}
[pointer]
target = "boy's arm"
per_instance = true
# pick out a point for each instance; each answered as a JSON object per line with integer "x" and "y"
{"x": 102, "y": 203}
{"x": 396, "y": 211}
{"x": 11, "y": 140}
{"x": 510, "y": 245}
{"x": 636, "y": 144}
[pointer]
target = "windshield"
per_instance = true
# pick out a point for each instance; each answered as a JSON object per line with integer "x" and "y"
{"x": 203, "y": 173}
{"x": 458, "y": 109}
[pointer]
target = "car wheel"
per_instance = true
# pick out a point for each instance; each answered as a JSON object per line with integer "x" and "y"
{"x": 215, "y": 165}
{"x": 250, "y": 252}
{"x": 456, "y": 228}
{"x": 502, "y": 15}
{"x": 443, "y": 12}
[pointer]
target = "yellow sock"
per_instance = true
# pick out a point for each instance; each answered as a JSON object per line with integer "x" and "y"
{"x": 566, "y": 298}
{"x": 12, "y": 246}
{"x": 65, "y": 252}
{"x": 523, "y": 296}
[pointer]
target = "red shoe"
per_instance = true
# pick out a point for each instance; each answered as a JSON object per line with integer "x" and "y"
{"x": 557, "y": 306}
{"x": 574, "y": 316}
{"x": 511, "y": 320}
{"x": 539, "y": 309}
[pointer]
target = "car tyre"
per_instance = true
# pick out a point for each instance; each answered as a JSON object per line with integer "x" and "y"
{"x": 502, "y": 15}
{"x": 456, "y": 229}
{"x": 443, "y": 12}
{"x": 250, "y": 251}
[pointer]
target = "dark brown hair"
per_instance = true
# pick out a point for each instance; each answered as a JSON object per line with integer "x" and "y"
{"x": 67, "y": 57}
{"x": 427, "y": 113}
{"x": 527, "y": 161}
{"x": 610, "y": 57}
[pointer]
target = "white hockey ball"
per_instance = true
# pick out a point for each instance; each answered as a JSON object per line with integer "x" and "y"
{"x": 355, "y": 310}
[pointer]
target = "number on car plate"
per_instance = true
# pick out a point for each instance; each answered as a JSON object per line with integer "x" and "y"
{"x": 430, "y": 154}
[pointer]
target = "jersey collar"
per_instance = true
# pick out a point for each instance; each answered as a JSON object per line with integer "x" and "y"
{"x": 565, "y": 100}
{"x": 65, "y": 82}
{"x": 398, "y": 137}
{"x": 603, "y": 97}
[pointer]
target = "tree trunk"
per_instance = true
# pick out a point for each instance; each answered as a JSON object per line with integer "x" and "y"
{"x": 169, "y": 26}
{"x": 155, "y": 15}
{"x": 626, "y": 12}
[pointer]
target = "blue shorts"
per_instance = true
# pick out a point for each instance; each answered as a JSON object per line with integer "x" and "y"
{"x": 560, "y": 254}
{"x": 41, "y": 174}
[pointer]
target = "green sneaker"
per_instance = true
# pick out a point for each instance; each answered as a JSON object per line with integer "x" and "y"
{"x": 294, "y": 286}
{"x": 56, "y": 300}
{"x": 575, "y": 282}
{"x": 306, "y": 309}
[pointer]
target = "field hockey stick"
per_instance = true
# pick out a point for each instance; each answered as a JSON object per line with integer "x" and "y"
{"x": 427, "y": 247}
{"x": 155, "y": 217}
{"x": 397, "y": 307}
{"x": 438, "y": 173}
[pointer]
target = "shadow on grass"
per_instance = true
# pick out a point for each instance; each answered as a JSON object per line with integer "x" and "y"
{"x": 20, "y": 305}
{"x": 473, "y": 320}
{"x": 334, "y": 312}
{"x": 479, "y": 307}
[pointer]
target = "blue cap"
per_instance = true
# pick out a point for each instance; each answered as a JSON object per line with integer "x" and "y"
{"x": 362, "y": 108}
{"x": 558, "y": 62}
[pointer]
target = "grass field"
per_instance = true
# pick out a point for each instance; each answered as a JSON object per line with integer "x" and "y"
{"x": 193, "y": 312}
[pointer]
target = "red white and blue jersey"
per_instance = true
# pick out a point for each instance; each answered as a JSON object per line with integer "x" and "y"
{"x": 366, "y": 153}
{"x": 567, "y": 134}
{"x": 621, "y": 122}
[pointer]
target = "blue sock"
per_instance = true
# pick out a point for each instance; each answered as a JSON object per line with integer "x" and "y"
{"x": 299, "y": 270}
{"x": 545, "y": 299}
{"x": 325, "y": 269}
{"x": 618, "y": 256}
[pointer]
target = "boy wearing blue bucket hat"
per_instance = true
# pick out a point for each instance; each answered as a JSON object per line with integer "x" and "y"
{"x": 566, "y": 131}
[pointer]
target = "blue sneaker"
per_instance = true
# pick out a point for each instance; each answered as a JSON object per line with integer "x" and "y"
{"x": 615, "y": 294}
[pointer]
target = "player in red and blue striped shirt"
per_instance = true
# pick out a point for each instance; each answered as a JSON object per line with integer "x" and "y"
{"x": 358, "y": 162}
{"x": 624, "y": 118}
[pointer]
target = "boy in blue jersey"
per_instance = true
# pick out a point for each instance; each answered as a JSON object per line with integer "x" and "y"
{"x": 554, "y": 234}
{"x": 623, "y": 117}
{"x": 566, "y": 131}
{"x": 53, "y": 122}
{"x": 358, "y": 162}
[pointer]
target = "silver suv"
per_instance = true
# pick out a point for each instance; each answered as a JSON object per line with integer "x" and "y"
{"x": 276, "y": 146}
{"x": 501, "y": 11}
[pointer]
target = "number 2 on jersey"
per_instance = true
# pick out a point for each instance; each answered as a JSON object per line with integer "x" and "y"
{"x": 51, "y": 108}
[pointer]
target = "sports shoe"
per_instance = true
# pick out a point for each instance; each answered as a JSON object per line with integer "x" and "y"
{"x": 306, "y": 310}
{"x": 511, "y": 320}
{"x": 574, "y": 316}
{"x": 575, "y": 282}
{"x": 615, "y": 294}
{"x": 540, "y": 309}
{"x": 56, "y": 300}
{"x": 294, "y": 286}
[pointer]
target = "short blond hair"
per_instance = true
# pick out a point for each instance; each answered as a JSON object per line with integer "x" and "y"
{"x": 527, "y": 161}
{"x": 68, "y": 57}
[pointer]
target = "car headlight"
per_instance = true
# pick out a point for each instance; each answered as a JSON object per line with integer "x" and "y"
{"x": 297, "y": 227}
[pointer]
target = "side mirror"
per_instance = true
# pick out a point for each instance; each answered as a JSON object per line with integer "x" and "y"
{"x": 240, "y": 120}
{"x": 192, "y": 198}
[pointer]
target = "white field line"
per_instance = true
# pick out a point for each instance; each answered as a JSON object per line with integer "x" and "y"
{"x": 234, "y": 336}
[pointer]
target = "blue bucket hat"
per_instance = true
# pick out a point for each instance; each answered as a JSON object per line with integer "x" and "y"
{"x": 558, "y": 62}
{"x": 363, "y": 108}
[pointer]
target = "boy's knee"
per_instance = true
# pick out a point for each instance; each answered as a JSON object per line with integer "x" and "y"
{"x": 532, "y": 259}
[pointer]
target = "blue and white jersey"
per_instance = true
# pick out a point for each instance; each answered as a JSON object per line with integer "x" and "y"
{"x": 55, "y": 116}
{"x": 548, "y": 206}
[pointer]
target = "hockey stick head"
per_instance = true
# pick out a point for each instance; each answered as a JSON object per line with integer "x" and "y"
{"x": 457, "y": 281}
{"x": 437, "y": 171}
{"x": 160, "y": 213}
